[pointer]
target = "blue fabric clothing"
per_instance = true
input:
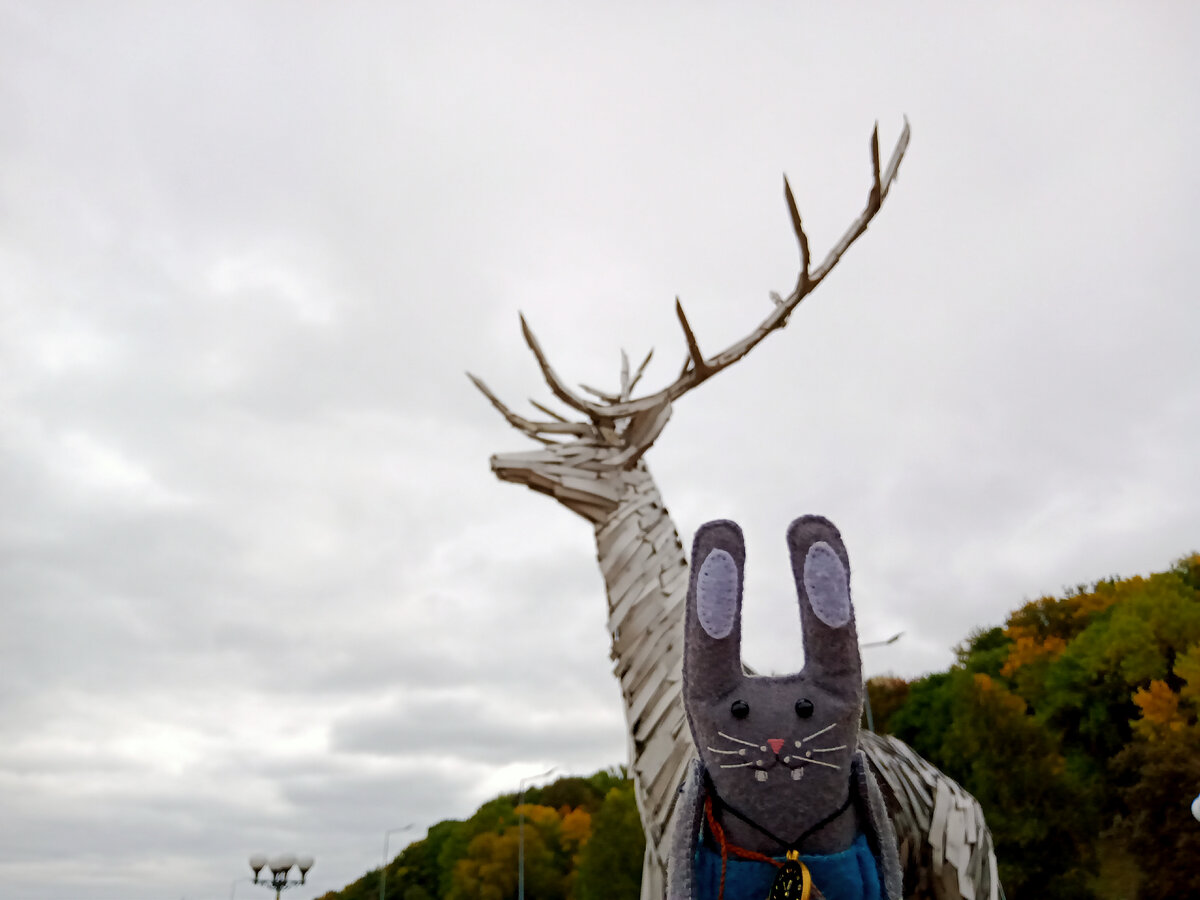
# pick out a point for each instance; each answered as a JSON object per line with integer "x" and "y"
{"x": 849, "y": 875}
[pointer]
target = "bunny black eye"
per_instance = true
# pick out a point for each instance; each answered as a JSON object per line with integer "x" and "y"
{"x": 740, "y": 709}
{"x": 804, "y": 708}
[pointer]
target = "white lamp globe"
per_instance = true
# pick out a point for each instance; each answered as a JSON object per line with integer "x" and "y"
{"x": 257, "y": 861}
{"x": 304, "y": 863}
{"x": 1196, "y": 807}
{"x": 286, "y": 861}
{"x": 276, "y": 863}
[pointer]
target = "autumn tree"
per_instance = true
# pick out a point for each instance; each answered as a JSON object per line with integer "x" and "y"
{"x": 1159, "y": 770}
{"x": 610, "y": 865}
{"x": 886, "y": 694}
{"x": 489, "y": 868}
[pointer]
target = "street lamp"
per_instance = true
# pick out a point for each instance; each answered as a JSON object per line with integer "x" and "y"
{"x": 866, "y": 691}
{"x": 383, "y": 871}
{"x": 521, "y": 831}
{"x": 280, "y": 866}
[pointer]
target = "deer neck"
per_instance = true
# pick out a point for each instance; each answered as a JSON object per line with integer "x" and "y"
{"x": 645, "y": 574}
{"x": 635, "y": 542}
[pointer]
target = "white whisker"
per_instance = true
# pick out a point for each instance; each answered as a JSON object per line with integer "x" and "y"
{"x": 818, "y": 733}
{"x": 821, "y": 749}
{"x": 737, "y": 765}
{"x": 817, "y": 762}
{"x": 730, "y": 737}
{"x": 727, "y": 752}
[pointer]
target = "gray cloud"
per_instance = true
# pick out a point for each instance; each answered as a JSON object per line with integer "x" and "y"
{"x": 479, "y": 726}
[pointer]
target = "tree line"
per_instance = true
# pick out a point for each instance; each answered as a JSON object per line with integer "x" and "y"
{"x": 583, "y": 841}
{"x": 1076, "y": 725}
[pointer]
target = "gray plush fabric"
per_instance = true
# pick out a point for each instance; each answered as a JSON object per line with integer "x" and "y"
{"x": 881, "y": 834}
{"x": 782, "y": 750}
{"x": 878, "y": 827}
{"x": 690, "y": 815}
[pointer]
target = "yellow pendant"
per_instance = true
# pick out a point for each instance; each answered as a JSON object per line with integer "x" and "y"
{"x": 793, "y": 881}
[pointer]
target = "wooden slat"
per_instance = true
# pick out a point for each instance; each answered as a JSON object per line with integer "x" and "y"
{"x": 937, "y": 827}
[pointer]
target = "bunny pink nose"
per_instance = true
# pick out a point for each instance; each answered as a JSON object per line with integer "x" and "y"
{"x": 776, "y": 744}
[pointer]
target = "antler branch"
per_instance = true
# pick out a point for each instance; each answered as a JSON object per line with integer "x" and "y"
{"x": 557, "y": 386}
{"x": 693, "y": 347}
{"x": 536, "y": 430}
{"x": 637, "y": 376}
{"x": 697, "y": 369}
{"x": 802, "y": 283}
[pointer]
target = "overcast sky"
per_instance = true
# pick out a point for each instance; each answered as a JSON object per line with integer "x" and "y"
{"x": 260, "y": 590}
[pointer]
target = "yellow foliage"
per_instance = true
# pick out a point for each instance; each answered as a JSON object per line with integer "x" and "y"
{"x": 538, "y": 815}
{"x": 576, "y": 829}
{"x": 489, "y": 870}
{"x": 990, "y": 692}
{"x": 1042, "y": 628}
{"x": 1160, "y": 710}
{"x": 1027, "y": 648}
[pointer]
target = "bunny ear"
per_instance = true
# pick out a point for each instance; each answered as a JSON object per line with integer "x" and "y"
{"x": 822, "y": 572}
{"x": 712, "y": 659}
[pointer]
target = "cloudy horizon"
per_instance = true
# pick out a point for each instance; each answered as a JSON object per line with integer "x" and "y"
{"x": 260, "y": 588}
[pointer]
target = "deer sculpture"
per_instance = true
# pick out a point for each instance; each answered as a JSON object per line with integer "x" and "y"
{"x": 594, "y": 464}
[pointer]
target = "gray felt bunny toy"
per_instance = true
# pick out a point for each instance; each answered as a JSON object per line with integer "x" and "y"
{"x": 780, "y": 803}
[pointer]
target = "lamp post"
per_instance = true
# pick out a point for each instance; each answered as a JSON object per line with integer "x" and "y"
{"x": 383, "y": 870}
{"x": 866, "y": 691}
{"x": 521, "y": 831}
{"x": 280, "y": 866}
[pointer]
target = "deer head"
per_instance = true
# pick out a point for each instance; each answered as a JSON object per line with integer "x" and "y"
{"x": 583, "y": 461}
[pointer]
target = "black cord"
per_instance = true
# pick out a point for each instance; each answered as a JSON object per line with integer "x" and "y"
{"x": 793, "y": 845}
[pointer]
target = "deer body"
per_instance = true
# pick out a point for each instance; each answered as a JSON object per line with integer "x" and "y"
{"x": 594, "y": 466}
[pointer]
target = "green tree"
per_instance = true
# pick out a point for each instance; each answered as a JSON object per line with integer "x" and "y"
{"x": 983, "y": 736}
{"x": 1143, "y": 625}
{"x": 886, "y": 694}
{"x": 610, "y": 864}
{"x": 414, "y": 873}
{"x": 1038, "y": 811}
{"x": 489, "y": 869}
{"x": 571, "y": 792}
{"x": 1161, "y": 773}
{"x": 494, "y": 816}
{"x": 926, "y": 715}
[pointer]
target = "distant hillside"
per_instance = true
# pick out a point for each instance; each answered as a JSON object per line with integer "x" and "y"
{"x": 583, "y": 841}
{"x": 1075, "y": 725}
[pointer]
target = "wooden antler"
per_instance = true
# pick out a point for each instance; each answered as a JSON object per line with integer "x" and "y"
{"x": 697, "y": 367}
{"x": 537, "y": 430}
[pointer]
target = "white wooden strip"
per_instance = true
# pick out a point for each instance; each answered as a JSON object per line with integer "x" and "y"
{"x": 937, "y": 827}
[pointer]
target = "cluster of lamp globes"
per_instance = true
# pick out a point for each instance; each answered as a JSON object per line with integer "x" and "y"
{"x": 280, "y": 866}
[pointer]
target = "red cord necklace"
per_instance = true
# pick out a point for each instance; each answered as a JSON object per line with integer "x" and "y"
{"x": 793, "y": 880}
